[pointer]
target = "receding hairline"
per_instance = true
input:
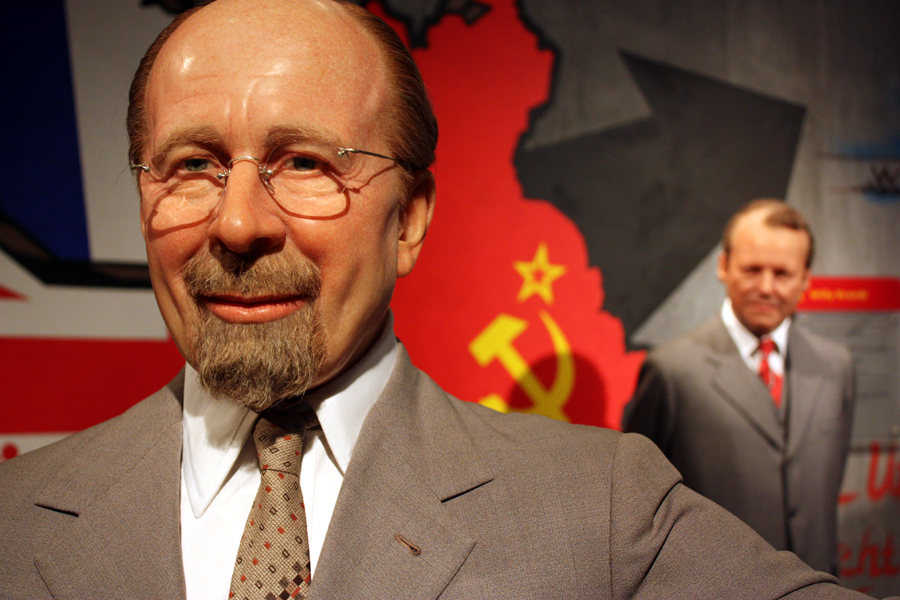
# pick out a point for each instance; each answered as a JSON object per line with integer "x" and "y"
{"x": 349, "y": 15}
{"x": 776, "y": 214}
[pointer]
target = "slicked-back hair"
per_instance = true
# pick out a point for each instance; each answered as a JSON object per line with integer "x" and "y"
{"x": 413, "y": 133}
{"x": 414, "y": 126}
{"x": 778, "y": 214}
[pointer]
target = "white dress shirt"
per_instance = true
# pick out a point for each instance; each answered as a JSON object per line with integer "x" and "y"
{"x": 748, "y": 344}
{"x": 220, "y": 472}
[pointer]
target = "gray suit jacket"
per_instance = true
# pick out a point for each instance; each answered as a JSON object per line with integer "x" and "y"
{"x": 713, "y": 418}
{"x": 501, "y": 506}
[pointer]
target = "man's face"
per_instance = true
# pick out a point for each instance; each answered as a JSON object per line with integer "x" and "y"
{"x": 249, "y": 274}
{"x": 765, "y": 273}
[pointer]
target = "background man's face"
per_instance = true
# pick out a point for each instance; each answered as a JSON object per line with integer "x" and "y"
{"x": 765, "y": 273}
{"x": 238, "y": 70}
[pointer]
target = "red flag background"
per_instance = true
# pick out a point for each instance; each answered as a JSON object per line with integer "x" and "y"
{"x": 503, "y": 307}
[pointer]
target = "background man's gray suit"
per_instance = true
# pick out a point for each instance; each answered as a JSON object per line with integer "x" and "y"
{"x": 713, "y": 418}
{"x": 500, "y": 506}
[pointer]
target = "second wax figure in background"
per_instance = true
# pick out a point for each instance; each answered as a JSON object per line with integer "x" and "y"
{"x": 776, "y": 465}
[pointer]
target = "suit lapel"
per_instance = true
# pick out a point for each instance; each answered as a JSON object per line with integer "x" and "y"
{"x": 804, "y": 381}
{"x": 118, "y": 501}
{"x": 740, "y": 387}
{"x": 411, "y": 456}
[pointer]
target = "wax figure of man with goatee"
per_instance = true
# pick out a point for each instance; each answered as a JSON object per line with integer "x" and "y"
{"x": 752, "y": 408}
{"x": 282, "y": 151}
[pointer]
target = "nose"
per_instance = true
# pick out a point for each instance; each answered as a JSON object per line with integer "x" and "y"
{"x": 247, "y": 221}
{"x": 766, "y": 282}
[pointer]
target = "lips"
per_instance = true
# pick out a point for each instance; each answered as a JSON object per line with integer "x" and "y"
{"x": 258, "y": 309}
{"x": 763, "y": 306}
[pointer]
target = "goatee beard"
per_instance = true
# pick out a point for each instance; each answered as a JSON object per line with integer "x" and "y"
{"x": 256, "y": 364}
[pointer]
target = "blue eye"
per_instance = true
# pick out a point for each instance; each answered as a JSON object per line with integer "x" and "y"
{"x": 197, "y": 164}
{"x": 302, "y": 163}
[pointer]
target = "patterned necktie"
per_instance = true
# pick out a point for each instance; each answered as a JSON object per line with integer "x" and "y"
{"x": 772, "y": 380}
{"x": 273, "y": 558}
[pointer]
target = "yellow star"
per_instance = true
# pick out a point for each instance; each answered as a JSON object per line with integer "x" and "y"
{"x": 538, "y": 275}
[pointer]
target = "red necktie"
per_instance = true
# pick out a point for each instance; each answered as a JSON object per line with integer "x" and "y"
{"x": 772, "y": 380}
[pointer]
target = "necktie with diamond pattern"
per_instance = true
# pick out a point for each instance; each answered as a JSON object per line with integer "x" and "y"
{"x": 772, "y": 380}
{"x": 273, "y": 558}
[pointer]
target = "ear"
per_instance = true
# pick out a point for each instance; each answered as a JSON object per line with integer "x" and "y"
{"x": 143, "y": 218}
{"x": 807, "y": 278}
{"x": 143, "y": 222}
{"x": 722, "y": 266}
{"x": 415, "y": 217}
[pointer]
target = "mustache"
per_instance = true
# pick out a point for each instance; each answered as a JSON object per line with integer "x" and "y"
{"x": 761, "y": 298}
{"x": 208, "y": 274}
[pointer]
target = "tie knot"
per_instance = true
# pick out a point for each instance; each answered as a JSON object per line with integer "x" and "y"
{"x": 766, "y": 346}
{"x": 279, "y": 441}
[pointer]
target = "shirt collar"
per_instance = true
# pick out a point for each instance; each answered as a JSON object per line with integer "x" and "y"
{"x": 342, "y": 405}
{"x": 215, "y": 429}
{"x": 747, "y": 343}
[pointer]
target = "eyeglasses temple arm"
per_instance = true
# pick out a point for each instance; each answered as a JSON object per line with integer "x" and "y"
{"x": 342, "y": 152}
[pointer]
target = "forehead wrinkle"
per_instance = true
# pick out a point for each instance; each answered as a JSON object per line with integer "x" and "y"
{"x": 191, "y": 135}
{"x": 292, "y": 134}
{"x": 194, "y": 49}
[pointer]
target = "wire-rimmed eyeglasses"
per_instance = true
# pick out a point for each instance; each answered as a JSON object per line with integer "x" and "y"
{"x": 306, "y": 180}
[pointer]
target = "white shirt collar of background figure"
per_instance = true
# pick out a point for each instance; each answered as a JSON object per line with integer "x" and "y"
{"x": 747, "y": 343}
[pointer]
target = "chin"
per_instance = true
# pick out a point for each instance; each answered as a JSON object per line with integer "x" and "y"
{"x": 761, "y": 328}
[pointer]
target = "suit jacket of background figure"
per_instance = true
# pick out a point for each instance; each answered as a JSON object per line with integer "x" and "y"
{"x": 713, "y": 418}
{"x": 501, "y": 506}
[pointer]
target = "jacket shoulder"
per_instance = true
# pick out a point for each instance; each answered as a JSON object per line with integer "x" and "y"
{"x": 538, "y": 430}
{"x": 681, "y": 354}
{"x": 486, "y": 425}
{"x": 103, "y": 443}
{"x": 825, "y": 348}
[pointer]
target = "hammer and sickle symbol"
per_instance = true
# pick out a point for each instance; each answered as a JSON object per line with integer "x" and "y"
{"x": 496, "y": 342}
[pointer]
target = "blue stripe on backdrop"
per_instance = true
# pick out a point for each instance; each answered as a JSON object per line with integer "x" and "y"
{"x": 40, "y": 166}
